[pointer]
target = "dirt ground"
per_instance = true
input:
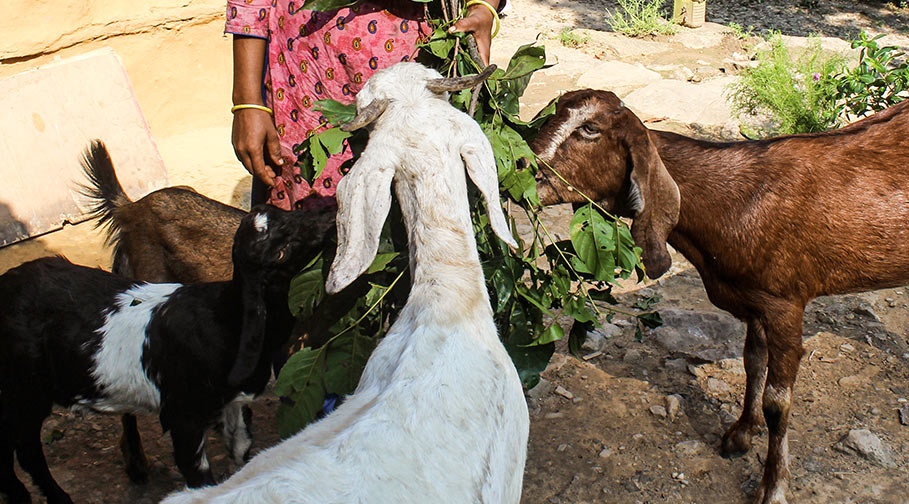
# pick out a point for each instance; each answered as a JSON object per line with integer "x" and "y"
{"x": 604, "y": 426}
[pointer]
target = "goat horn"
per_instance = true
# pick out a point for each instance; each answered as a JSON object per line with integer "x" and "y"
{"x": 459, "y": 83}
{"x": 366, "y": 116}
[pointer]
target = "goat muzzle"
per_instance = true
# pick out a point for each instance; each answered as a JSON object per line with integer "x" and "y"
{"x": 459, "y": 83}
{"x": 366, "y": 116}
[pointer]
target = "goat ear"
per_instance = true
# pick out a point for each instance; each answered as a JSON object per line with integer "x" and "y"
{"x": 364, "y": 198}
{"x": 481, "y": 166}
{"x": 655, "y": 199}
{"x": 252, "y": 332}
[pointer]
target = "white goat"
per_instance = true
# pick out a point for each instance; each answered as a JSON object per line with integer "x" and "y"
{"x": 439, "y": 414}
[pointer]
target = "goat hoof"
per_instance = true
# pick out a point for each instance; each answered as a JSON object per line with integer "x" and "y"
{"x": 137, "y": 473}
{"x": 763, "y": 496}
{"x": 737, "y": 440}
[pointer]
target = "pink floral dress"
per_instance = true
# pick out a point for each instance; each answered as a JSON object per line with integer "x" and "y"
{"x": 317, "y": 55}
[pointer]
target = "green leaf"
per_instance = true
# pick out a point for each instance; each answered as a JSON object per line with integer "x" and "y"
{"x": 307, "y": 290}
{"x": 594, "y": 242}
{"x": 530, "y": 361}
{"x": 327, "y": 5}
{"x": 301, "y": 370}
{"x": 651, "y": 320}
{"x": 551, "y": 334}
{"x": 336, "y": 112}
{"x": 346, "y": 360}
{"x": 578, "y": 335}
{"x": 302, "y": 409}
{"x": 381, "y": 262}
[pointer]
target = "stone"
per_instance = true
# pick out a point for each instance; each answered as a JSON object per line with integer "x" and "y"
{"x": 632, "y": 355}
{"x": 562, "y": 391}
{"x": 716, "y": 387}
{"x": 616, "y": 76}
{"x": 866, "y": 444}
{"x": 594, "y": 342}
{"x": 658, "y": 411}
{"x": 684, "y": 102}
{"x": 706, "y": 335}
{"x": 854, "y": 381}
{"x": 676, "y": 364}
{"x": 688, "y": 448}
{"x": 904, "y": 414}
{"x": 673, "y": 405}
{"x": 540, "y": 391}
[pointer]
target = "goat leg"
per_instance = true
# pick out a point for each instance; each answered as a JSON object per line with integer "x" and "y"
{"x": 131, "y": 447}
{"x": 737, "y": 440}
{"x": 31, "y": 456}
{"x": 784, "y": 341}
{"x": 15, "y": 491}
{"x": 236, "y": 420}
{"x": 189, "y": 453}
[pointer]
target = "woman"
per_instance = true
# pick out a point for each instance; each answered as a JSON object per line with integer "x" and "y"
{"x": 287, "y": 58}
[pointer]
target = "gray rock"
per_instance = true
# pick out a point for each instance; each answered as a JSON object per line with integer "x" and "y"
{"x": 594, "y": 342}
{"x": 562, "y": 391}
{"x": 710, "y": 336}
{"x": 673, "y": 405}
{"x": 540, "y": 391}
{"x": 865, "y": 443}
{"x": 658, "y": 410}
{"x": 632, "y": 355}
{"x": 904, "y": 414}
{"x": 716, "y": 387}
{"x": 685, "y": 102}
{"x": 688, "y": 448}
{"x": 616, "y": 76}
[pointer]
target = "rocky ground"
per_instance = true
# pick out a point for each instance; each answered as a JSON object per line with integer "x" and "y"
{"x": 630, "y": 421}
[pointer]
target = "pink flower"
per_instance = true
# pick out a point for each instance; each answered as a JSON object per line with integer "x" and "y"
{"x": 816, "y": 76}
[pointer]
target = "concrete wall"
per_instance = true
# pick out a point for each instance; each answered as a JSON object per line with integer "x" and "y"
{"x": 175, "y": 52}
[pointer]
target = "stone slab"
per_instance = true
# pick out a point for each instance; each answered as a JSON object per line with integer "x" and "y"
{"x": 49, "y": 116}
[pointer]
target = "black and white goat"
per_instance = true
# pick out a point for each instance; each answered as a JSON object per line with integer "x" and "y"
{"x": 84, "y": 338}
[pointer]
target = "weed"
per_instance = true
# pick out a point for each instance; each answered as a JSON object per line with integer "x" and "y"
{"x": 798, "y": 93}
{"x": 570, "y": 38}
{"x": 636, "y": 18}
{"x": 741, "y": 33}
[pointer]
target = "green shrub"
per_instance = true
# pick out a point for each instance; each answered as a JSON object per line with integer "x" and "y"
{"x": 798, "y": 93}
{"x": 636, "y": 18}
{"x": 877, "y": 82}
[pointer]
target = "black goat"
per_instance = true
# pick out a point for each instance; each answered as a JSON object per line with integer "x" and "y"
{"x": 84, "y": 338}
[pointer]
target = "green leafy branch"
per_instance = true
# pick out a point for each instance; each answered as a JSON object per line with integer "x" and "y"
{"x": 533, "y": 290}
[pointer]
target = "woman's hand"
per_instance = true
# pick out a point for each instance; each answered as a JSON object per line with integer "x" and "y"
{"x": 478, "y": 21}
{"x": 256, "y": 145}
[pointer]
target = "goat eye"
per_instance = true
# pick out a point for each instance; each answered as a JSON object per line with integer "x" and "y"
{"x": 588, "y": 131}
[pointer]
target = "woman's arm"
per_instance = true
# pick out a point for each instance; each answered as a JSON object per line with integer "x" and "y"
{"x": 253, "y": 133}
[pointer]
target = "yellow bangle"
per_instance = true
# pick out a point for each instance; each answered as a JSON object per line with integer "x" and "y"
{"x": 495, "y": 15}
{"x": 251, "y": 106}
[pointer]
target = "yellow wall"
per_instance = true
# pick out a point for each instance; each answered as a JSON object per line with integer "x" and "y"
{"x": 175, "y": 52}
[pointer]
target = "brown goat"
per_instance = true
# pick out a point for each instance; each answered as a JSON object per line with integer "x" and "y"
{"x": 171, "y": 235}
{"x": 769, "y": 225}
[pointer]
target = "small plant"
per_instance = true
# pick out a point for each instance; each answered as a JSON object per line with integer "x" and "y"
{"x": 740, "y": 33}
{"x": 637, "y": 18}
{"x": 798, "y": 94}
{"x": 571, "y": 38}
{"x": 877, "y": 82}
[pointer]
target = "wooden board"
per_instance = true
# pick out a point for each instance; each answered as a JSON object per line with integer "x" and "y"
{"x": 48, "y": 116}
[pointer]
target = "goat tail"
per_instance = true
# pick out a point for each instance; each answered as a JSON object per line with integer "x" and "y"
{"x": 104, "y": 189}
